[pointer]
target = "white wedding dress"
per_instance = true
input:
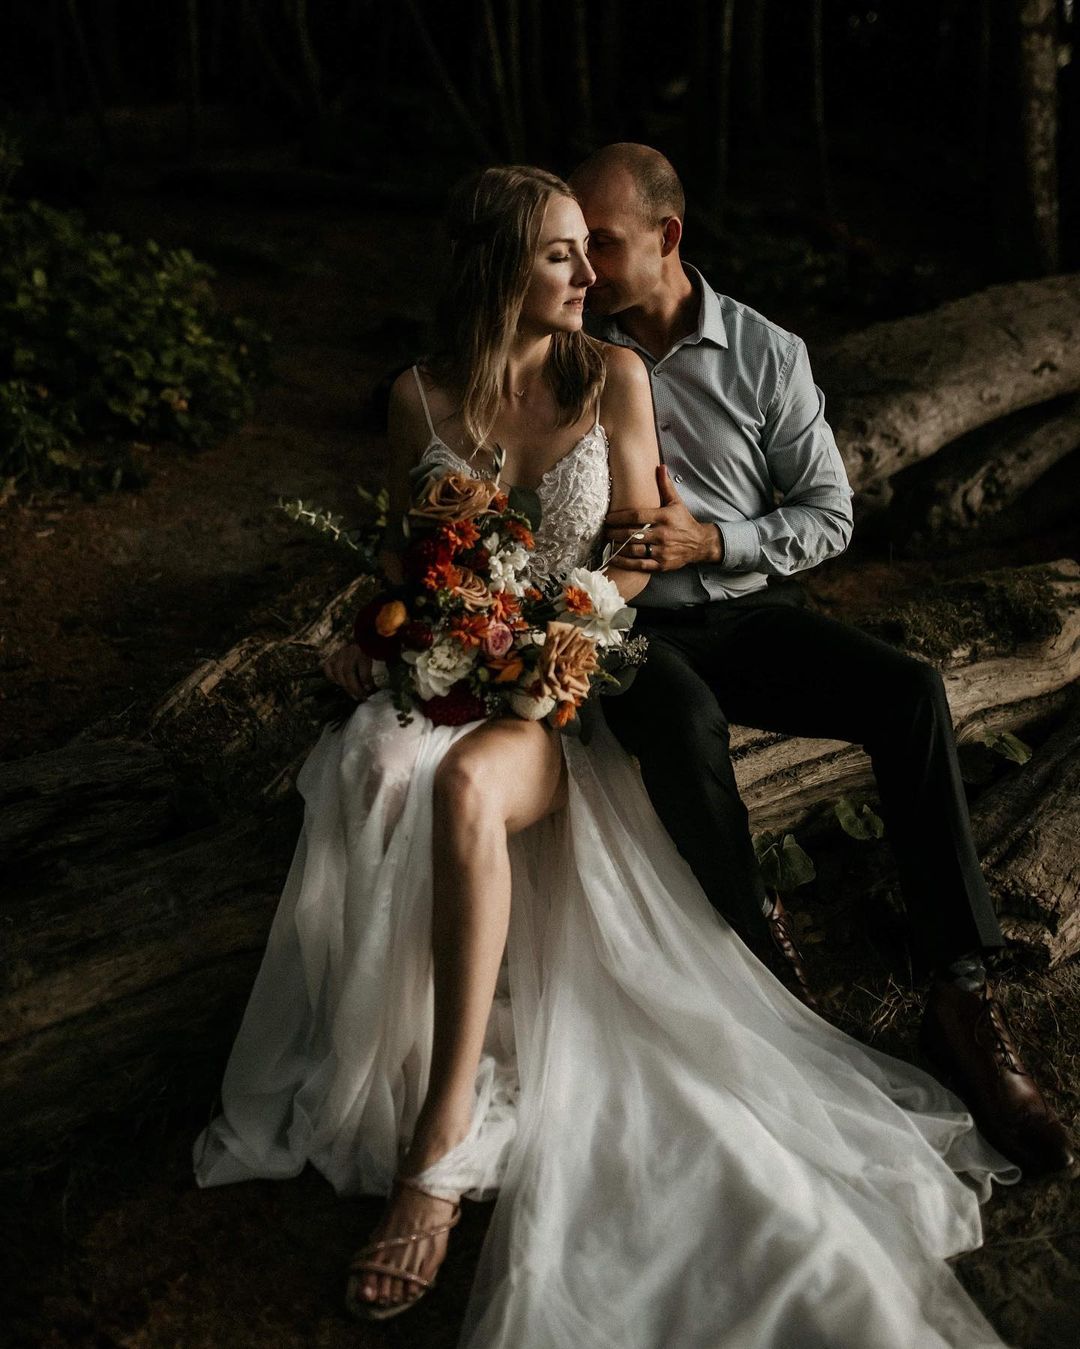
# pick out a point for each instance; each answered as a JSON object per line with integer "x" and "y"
{"x": 685, "y": 1156}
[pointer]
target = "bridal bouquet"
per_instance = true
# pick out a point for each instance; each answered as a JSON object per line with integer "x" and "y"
{"x": 470, "y": 634}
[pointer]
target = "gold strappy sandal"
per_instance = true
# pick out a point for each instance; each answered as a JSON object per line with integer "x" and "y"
{"x": 363, "y": 1263}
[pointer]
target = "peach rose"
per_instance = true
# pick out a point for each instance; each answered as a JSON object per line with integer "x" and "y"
{"x": 455, "y": 497}
{"x": 472, "y": 591}
{"x": 566, "y": 660}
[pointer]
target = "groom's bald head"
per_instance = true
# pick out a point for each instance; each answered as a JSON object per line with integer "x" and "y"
{"x": 636, "y": 174}
{"x": 633, "y": 204}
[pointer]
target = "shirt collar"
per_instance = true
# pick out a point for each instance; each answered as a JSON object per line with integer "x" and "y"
{"x": 710, "y": 325}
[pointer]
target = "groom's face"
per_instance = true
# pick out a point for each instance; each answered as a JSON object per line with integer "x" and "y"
{"x": 624, "y": 248}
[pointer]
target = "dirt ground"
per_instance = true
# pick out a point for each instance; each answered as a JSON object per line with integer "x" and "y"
{"x": 107, "y": 603}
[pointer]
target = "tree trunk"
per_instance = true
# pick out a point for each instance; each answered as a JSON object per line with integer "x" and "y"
{"x": 817, "y": 104}
{"x": 477, "y": 137}
{"x": 750, "y": 39}
{"x": 1037, "y": 21}
{"x": 901, "y": 390}
{"x": 984, "y": 475}
{"x": 1027, "y": 830}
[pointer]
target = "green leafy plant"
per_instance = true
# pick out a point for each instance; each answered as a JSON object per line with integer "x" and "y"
{"x": 783, "y": 864}
{"x": 1006, "y": 744}
{"x": 364, "y": 539}
{"x": 102, "y": 340}
{"x": 858, "y": 821}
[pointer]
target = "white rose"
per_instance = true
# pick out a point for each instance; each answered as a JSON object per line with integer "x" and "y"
{"x": 439, "y": 668}
{"x": 531, "y": 708}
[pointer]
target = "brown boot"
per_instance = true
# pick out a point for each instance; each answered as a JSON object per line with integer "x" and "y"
{"x": 783, "y": 959}
{"x": 965, "y": 1036}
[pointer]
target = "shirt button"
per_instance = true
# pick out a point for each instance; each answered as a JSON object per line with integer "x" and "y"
{"x": 678, "y": 477}
{"x": 665, "y": 426}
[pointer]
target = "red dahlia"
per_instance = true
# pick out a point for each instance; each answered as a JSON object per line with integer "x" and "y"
{"x": 456, "y": 708}
{"x": 416, "y": 636}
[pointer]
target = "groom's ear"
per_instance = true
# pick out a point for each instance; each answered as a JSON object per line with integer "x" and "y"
{"x": 672, "y": 228}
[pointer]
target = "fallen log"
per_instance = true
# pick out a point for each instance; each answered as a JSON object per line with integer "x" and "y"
{"x": 982, "y": 476}
{"x": 1027, "y": 830}
{"x": 1008, "y": 646}
{"x": 899, "y": 391}
{"x": 128, "y": 949}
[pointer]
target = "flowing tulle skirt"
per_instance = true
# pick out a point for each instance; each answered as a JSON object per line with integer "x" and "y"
{"x": 685, "y": 1156}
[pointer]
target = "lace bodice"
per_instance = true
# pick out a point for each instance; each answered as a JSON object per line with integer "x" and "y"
{"x": 574, "y": 495}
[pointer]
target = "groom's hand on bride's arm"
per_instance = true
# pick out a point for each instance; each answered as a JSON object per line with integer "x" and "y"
{"x": 675, "y": 539}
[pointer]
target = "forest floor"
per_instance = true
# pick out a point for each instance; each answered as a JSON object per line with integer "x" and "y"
{"x": 108, "y": 602}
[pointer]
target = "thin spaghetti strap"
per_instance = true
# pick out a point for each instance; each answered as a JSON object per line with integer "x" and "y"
{"x": 423, "y": 400}
{"x": 596, "y": 423}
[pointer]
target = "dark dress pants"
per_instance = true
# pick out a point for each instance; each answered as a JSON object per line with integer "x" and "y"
{"x": 766, "y": 661}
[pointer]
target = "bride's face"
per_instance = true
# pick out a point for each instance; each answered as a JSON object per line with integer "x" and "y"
{"x": 561, "y": 273}
{"x": 625, "y": 250}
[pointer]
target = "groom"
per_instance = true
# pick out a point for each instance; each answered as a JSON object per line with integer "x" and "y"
{"x": 752, "y": 487}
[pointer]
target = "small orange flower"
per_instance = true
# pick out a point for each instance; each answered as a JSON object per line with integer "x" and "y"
{"x": 505, "y": 607}
{"x": 564, "y": 713}
{"x": 521, "y": 533}
{"x": 531, "y": 593}
{"x": 469, "y": 629}
{"x": 577, "y": 600}
{"x": 460, "y": 534}
{"x": 442, "y": 576}
{"x": 510, "y": 668}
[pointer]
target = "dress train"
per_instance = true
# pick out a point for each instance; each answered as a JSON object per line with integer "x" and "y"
{"x": 685, "y": 1156}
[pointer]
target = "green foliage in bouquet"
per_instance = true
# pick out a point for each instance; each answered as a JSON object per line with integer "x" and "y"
{"x": 103, "y": 342}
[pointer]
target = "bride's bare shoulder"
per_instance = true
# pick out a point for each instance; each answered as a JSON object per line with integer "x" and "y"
{"x": 627, "y": 379}
{"x": 625, "y": 368}
{"x": 407, "y": 403}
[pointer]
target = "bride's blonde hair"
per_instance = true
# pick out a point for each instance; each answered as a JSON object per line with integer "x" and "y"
{"x": 494, "y": 221}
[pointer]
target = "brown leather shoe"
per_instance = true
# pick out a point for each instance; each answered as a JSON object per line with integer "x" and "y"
{"x": 784, "y": 959}
{"x": 966, "y": 1038}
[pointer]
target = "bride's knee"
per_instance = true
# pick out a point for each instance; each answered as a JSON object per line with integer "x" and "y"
{"x": 466, "y": 788}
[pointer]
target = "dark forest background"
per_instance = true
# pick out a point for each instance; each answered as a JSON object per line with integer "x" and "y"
{"x": 923, "y": 125}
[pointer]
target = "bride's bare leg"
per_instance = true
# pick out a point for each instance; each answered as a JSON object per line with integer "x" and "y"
{"x": 497, "y": 780}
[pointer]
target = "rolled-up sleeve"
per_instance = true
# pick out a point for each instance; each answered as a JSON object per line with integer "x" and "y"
{"x": 813, "y": 520}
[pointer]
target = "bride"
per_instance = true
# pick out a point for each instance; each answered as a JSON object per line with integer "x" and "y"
{"x": 490, "y": 970}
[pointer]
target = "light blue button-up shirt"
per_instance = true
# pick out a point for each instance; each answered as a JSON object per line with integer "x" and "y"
{"x": 741, "y": 426}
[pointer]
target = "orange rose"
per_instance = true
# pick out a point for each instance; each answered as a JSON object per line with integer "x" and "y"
{"x": 456, "y": 497}
{"x": 390, "y": 617}
{"x": 567, "y": 658}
